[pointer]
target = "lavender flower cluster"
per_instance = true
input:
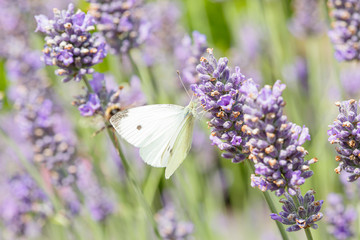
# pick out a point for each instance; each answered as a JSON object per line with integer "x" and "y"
{"x": 307, "y": 18}
{"x": 122, "y": 23}
{"x": 299, "y": 211}
{"x": 345, "y": 133}
{"x": 274, "y": 142}
{"x": 187, "y": 54}
{"x": 24, "y": 207}
{"x": 170, "y": 228}
{"x": 219, "y": 94}
{"x": 250, "y": 123}
{"x": 69, "y": 43}
{"x": 339, "y": 218}
{"x": 50, "y": 141}
{"x": 98, "y": 203}
{"x": 345, "y": 28}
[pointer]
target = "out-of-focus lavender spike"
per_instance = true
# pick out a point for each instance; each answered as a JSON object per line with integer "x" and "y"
{"x": 218, "y": 92}
{"x": 350, "y": 79}
{"x": 122, "y": 22}
{"x": 344, "y": 132}
{"x": 275, "y": 143}
{"x": 69, "y": 43}
{"x": 345, "y": 29}
{"x": 187, "y": 54}
{"x": 297, "y": 71}
{"x": 165, "y": 31}
{"x": 307, "y": 19}
{"x": 170, "y": 228}
{"x": 98, "y": 203}
{"x": 339, "y": 217}
{"x": 24, "y": 207}
{"x": 301, "y": 213}
{"x": 108, "y": 98}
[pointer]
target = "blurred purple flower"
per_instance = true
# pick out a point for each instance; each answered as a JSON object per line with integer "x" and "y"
{"x": 24, "y": 207}
{"x": 98, "y": 203}
{"x": 170, "y": 228}
{"x": 298, "y": 71}
{"x": 301, "y": 213}
{"x": 345, "y": 29}
{"x": 218, "y": 92}
{"x": 346, "y": 134}
{"x": 187, "y": 55}
{"x": 166, "y": 31}
{"x": 339, "y": 218}
{"x": 274, "y": 142}
{"x": 350, "y": 79}
{"x": 69, "y": 43}
{"x": 307, "y": 20}
{"x": 122, "y": 22}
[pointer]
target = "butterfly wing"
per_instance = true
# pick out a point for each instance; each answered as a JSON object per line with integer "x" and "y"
{"x": 181, "y": 147}
{"x": 150, "y": 128}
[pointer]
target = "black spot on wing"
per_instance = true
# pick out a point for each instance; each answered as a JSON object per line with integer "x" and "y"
{"x": 138, "y": 127}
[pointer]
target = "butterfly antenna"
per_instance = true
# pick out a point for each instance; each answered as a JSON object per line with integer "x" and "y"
{"x": 182, "y": 83}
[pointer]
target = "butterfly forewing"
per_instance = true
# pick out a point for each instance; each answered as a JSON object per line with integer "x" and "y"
{"x": 142, "y": 125}
{"x": 151, "y": 128}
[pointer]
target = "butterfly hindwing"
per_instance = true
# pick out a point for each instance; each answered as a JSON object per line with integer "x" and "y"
{"x": 181, "y": 146}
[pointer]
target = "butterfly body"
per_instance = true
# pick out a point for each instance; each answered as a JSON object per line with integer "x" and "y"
{"x": 163, "y": 132}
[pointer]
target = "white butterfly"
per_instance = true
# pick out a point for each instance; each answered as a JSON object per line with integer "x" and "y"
{"x": 163, "y": 132}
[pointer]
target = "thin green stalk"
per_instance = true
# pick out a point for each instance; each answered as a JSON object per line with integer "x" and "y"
{"x": 308, "y": 234}
{"x": 272, "y": 208}
{"x": 129, "y": 174}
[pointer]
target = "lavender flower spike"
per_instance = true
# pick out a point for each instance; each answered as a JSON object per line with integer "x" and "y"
{"x": 69, "y": 43}
{"x": 122, "y": 23}
{"x": 299, "y": 212}
{"x": 170, "y": 227}
{"x": 219, "y": 95}
{"x": 307, "y": 19}
{"x": 339, "y": 218}
{"x": 345, "y": 29}
{"x": 345, "y": 132}
{"x": 274, "y": 142}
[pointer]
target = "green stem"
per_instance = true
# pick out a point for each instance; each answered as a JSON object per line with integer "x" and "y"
{"x": 308, "y": 234}
{"x": 129, "y": 174}
{"x": 272, "y": 207}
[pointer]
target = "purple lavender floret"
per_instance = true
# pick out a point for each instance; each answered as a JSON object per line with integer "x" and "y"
{"x": 24, "y": 206}
{"x": 170, "y": 228}
{"x": 345, "y": 29}
{"x": 345, "y": 132}
{"x": 339, "y": 218}
{"x": 122, "y": 23}
{"x": 218, "y": 92}
{"x": 188, "y": 53}
{"x": 70, "y": 45}
{"x": 299, "y": 212}
{"x": 307, "y": 20}
{"x": 274, "y": 142}
{"x": 107, "y": 98}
